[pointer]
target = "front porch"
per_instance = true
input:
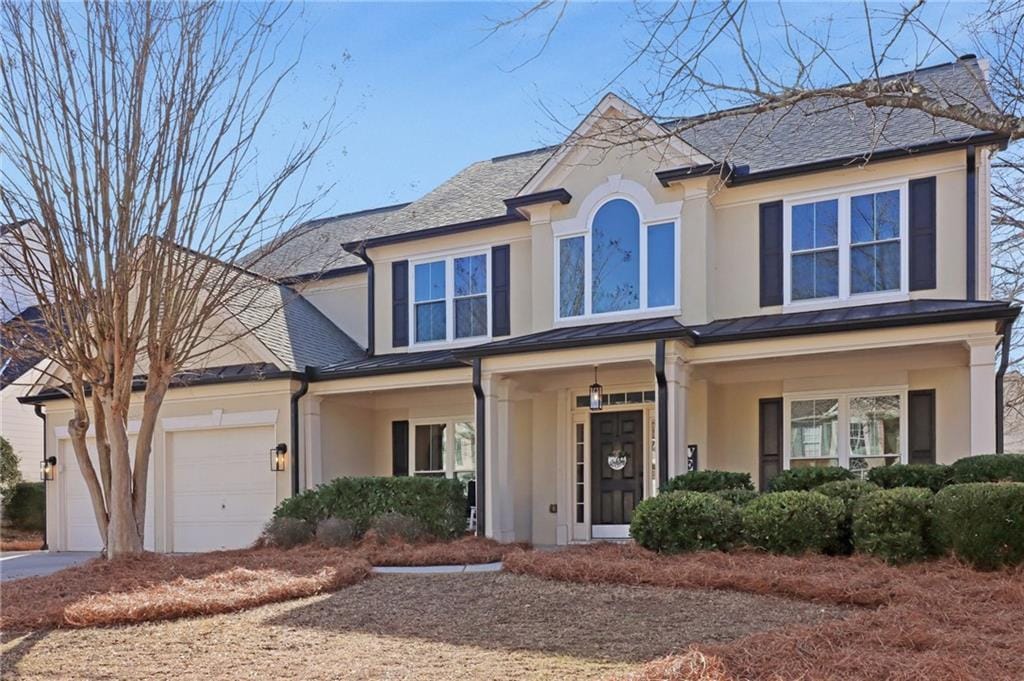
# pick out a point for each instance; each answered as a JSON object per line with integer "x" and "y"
{"x": 555, "y": 472}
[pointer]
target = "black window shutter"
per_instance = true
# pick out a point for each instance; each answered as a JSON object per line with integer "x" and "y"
{"x": 400, "y": 303}
{"x": 922, "y": 233}
{"x": 501, "y": 323}
{"x": 399, "y": 448}
{"x": 769, "y": 440}
{"x": 771, "y": 253}
{"x": 921, "y": 411}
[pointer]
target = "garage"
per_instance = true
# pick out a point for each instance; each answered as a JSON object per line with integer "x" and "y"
{"x": 221, "y": 491}
{"x": 79, "y": 519}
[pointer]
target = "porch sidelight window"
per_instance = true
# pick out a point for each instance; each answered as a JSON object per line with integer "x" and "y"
{"x": 858, "y": 431}
{"x": 444, "y": 450}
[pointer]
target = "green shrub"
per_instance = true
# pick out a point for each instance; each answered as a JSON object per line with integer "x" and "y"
{"x": 439, "y": 504}
{"x": 10, "y": 474}
{"x": 284, "y": 533}
{"x": 674, "y": 522}
{"x": 391, "y": 525}
{"x": 25, "y": 507}
{"x": 807, "y": 478}
{"x": 335, "y": 532}
{"x": 792, "y": 522}
{"x": 983, "y": 523}
{"x": 737, "y": 496}
{"x": 932, "y": 476}
{"x": 848, "y": 492}
{"x": 989, "y": 468}
{"x": 708, "y": 481}
{"x": 894, "y": 524}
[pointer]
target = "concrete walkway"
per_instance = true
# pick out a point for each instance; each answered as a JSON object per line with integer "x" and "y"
{"x": 440, "y": 569}
{"x": 20, "y": 564}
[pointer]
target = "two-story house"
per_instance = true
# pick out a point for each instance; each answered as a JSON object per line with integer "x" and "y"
{"x": 568, "y": 327}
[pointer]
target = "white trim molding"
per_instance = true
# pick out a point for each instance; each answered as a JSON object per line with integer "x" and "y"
{"x": 218, "y": 418}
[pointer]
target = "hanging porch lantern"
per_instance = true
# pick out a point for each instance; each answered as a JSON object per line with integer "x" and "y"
{"x": 596, "y": 394}
{"x": 48, "y": 468}
{"x": 277, "y": 457}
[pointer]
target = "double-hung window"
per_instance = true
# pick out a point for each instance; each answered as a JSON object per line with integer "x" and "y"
{"x": 855, "y": 430}
{"x": 619, "y": 264}
{"x": 451, "y": 298}
{"x": 847, "y": 245}
{"x": 445, "y": 449}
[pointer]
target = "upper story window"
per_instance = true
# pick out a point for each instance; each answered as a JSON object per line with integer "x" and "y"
{"x": 451, "y": 298}
{"x": 619, "y": 264}
{"x": 846, "y": 245}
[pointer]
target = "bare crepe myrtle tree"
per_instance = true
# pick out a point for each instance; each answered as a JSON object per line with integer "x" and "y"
{"x": 131, "y": 192}
{"x": 755, "y": 63}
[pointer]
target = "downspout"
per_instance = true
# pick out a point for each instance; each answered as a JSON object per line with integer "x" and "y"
{"x": 371, "y": 326}
{"x": 659, "y": 374}
{"x": 972, "y": 224}
{"x": 1004, "y": 362}
{"x": 42, "y": 414}
{"x": 481, "y": 449}
{"x": 296, "y": 396}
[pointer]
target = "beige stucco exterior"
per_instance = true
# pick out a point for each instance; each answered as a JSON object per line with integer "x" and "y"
{"x": 534, "y": 429}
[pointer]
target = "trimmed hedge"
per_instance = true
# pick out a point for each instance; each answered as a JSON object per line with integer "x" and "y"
{"x": 808, "y": 477}
{"x": 894, "y": 524}
{"x": 932, "y": 476}
{"x": 24, "y": 508}
{"x": 982, "y": 523}
{"x": 674, "y": 522}
{"x": 439, "y": 504}
{"x": 989, "y": 468}
{"x": 737, "y": 496}
{"x": 792, "y": 522}
{"x": 848, "y": 492}
{"x": 285, "y": 533}
{"x": 709, "y": 481}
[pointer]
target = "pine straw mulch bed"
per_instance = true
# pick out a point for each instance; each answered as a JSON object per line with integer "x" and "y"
{"x": 938, "y": 620}
{"x": 20, "y": 540}
{"x": 160, "y": 586}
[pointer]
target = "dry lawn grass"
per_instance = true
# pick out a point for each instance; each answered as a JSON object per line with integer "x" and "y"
{"x": 155, "y": 586}
{"x": 467, "y": 550}
{"x": 938, "y": 620}
{"x": 457, "y": 626}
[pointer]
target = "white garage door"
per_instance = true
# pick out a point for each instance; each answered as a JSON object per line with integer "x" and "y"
{"x": 79, "y": 519}
{"x": 221, "y": 486}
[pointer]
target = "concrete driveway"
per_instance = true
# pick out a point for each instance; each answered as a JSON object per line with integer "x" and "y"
{"x": 36, "y": 563}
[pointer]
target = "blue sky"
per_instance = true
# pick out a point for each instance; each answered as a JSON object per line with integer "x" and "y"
{"x": 424, "y": 93}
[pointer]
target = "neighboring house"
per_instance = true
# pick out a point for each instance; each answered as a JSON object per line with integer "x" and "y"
{"x": 18, "y": 375}
{"x": 1014, "y": 423}
{"x": 753, "y": 296}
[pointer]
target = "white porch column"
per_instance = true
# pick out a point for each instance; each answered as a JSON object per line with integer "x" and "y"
{"x": 312, "y": 455}
{"x": 677, "y": 378}
{"x": 499, "y": 519}
{"x": 983, "y": 394}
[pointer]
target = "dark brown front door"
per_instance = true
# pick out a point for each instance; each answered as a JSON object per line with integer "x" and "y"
{"x": 618, "y": 473}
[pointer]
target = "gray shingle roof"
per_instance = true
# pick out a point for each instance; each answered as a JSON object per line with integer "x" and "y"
{"x": 314, "y": 247}
{"x": 814, "y": 131}
{"x": 828, "y": 127}
{"x": 293, "y": 328}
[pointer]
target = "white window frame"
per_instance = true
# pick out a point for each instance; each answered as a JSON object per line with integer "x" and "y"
{"x": 448, "y": 257}
{"x": 449, "y": 469}
{"x": 843, "y": 427}
{"x": 646, "y": 221}
{"x": 844, "y": 196}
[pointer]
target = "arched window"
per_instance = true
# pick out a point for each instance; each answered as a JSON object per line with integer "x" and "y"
{"x": 615, "y": 258}
{"x": 618, "y": 264}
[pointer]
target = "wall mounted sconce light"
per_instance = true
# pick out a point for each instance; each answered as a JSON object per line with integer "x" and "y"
{"x": 48, "y": 468}
{"x": 277, "y": 457}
